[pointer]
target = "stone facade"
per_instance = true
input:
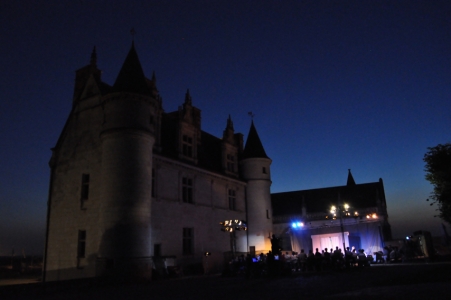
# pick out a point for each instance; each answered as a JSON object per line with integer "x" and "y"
{"x": 132, "y": 185}
{"x": 130, "y": 182}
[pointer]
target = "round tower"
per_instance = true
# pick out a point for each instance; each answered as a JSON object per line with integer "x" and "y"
{"x": 255, "y": 169}
{"x": 127, "y": 140}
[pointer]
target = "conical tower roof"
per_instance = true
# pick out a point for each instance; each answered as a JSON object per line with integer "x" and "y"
{"x": 131, "y": 76}
{"x": 350, "y": 178}
{"x": 254, "y": 147}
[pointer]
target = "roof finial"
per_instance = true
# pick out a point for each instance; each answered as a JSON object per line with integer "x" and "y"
{"x": 94, "y": 57}
{"x": 188, "y": 99}
{"x": 229, "y": 122}
{"x": 251, "y": 115}
{"x": 133, "y": 32}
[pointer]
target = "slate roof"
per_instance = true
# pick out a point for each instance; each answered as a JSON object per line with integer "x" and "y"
{"x": 350, "y": 180}
{"x": 208, "y": 152}
{"x": 254, "y": 147}
{"x": 358, "y": 196}
{"x": 131, "y": 76}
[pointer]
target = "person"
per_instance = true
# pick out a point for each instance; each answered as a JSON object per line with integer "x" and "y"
{"x": 270, "y": 262}
{"x": 362, "y": 261}
{"x": 302, "y": 260}
{"x": 354, "y": 256}
{"x": 310, "y": 260}
{"x": 348, "y": 257}
{"x": 248, "y": 269}
{"x": 326, "y": 259}
{"x": 318, "y": 260}
{"x": 241, "y": 264}
{"x": 393, "y": 254}
{"x": 262, "y": 258}
{"x": 337, "y": 258}
{"x": 275, "y": 245}
{"x": 386, "y": 254}
{"x": 379, "y": 255}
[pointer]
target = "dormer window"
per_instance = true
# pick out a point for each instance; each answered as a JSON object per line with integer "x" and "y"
{"x": 187, "y": 146}
{"x": 230, "y": 163}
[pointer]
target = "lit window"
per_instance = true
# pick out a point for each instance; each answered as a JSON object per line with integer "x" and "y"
{"x": 232, "y": 199}
{"x": 188, "y": 241}
{"x": 187, "y": 190}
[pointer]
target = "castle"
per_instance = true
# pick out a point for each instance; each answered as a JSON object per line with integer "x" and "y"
{"x": 130, "y": 182}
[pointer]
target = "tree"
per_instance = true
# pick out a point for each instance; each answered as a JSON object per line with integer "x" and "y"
{"x": 438, "y": 173}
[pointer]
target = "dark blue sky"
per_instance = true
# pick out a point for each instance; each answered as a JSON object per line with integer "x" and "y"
{"x": 333, "y": 85}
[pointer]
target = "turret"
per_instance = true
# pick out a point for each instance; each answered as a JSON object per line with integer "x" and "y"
{"x": 231, "y": 148}
{"x": 82, "y": 75}
{"x": 127, "y": 139}
{"x": 255, "y": 169}
{"x": 350, "y": 181}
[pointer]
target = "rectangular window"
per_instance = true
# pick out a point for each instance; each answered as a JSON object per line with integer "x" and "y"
{"x": 153, "y": 183}
{"x": 187, "y": 146}
{"x": 230, "y": 163}
{"x": 81, "y": 248}
{"x": 232, "y": 200}
{"x": 264, "y": 170}
{"x": 84, "y": 186}
{"x": 157, "y": 250}
{"x": 187, "y": 190}
{"x": 188, "y": 241}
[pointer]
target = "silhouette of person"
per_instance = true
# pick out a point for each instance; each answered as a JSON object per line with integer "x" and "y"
{"x": 275, "y": 247}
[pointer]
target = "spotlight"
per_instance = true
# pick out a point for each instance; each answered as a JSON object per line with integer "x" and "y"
{"x": 297, "y": 224}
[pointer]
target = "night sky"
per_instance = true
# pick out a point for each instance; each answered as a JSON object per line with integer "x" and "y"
{"x": 334, "y": 85}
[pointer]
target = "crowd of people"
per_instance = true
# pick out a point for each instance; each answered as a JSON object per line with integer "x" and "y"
{"x": 276, "y": 263}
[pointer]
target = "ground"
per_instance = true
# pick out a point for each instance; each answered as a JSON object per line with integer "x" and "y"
{"x": 388, "y": 281}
